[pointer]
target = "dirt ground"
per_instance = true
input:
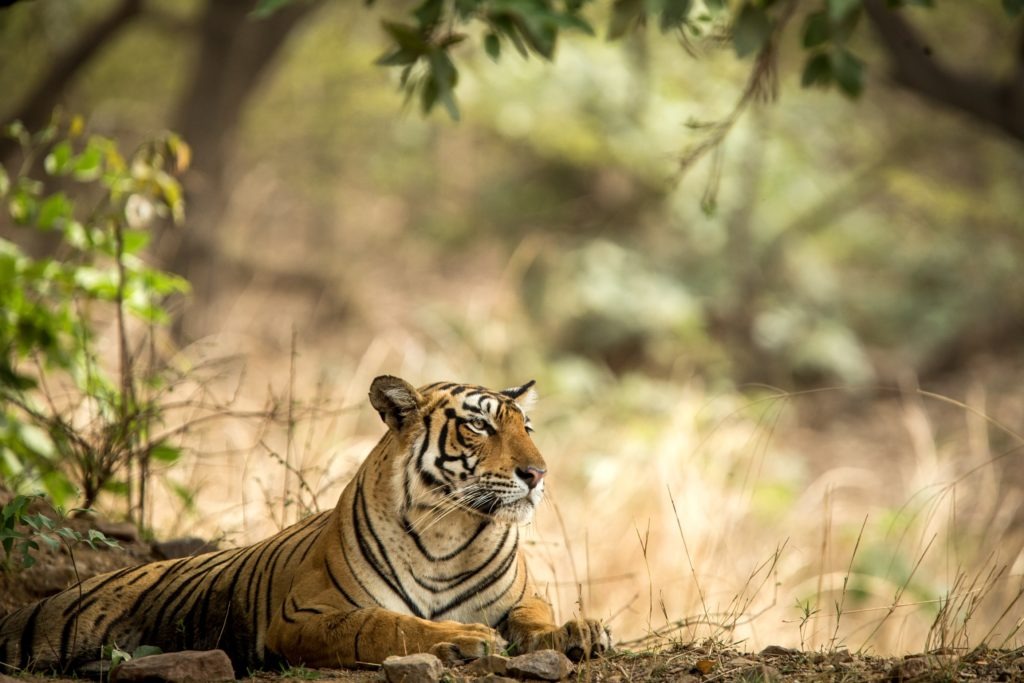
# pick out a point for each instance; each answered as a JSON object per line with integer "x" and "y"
{"x": 692, "y": 663}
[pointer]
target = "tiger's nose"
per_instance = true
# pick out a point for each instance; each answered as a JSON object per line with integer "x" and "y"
{"x": 531, "y": 475}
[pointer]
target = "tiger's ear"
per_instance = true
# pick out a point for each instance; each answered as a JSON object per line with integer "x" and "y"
{"x": 525, "y": 395}
{"x": 395, "y": 400}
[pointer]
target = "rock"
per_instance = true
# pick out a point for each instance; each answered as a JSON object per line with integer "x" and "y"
{"x": 122, "y": 531}
{"x": 489, "y": 664}
{"x": 547, "y": 665}
{"x": 778, "y": 651}
{"x": 98, "y": 670}
{"x": 182, "y": 547}
{"x": 418, "y": 668}
{"x": 188, "y": 666}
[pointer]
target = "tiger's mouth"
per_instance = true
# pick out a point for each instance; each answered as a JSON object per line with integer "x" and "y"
{"x": 491, "y": 505}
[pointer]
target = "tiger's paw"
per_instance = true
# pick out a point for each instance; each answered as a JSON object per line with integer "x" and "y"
{"x": 468, "y": 641}
{"x": 579, "y": 639}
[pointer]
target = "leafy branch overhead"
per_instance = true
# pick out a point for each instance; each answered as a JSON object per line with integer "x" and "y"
{"x": 421, "y": 42}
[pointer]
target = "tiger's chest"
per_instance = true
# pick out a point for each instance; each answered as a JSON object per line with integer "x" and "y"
{"x": 463, "y": 577}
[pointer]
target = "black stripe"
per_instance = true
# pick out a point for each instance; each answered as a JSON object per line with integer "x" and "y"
{"x": 183, "y": 592}
{"x": 462, "y": 577}
{"x": 486, "y": 583}
{"x": 90, "y": 597}
{"x": 391, "y": 580}
{"x": 359, "y": 632}
{"x": 28, "y": 635}
{"x": 444, "y": 558}
{"x": 313, "y": 534}
{"x": 337, "y": 584}
{"x": 354, "y": 575}
{"x": 499, "y": 596}
{"x": 500, "y": 623}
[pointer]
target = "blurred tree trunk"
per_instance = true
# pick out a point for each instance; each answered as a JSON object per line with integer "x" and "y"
{"x": 37, "y": 107}
{"x": 916, "y": 67}
{"x": 235, "y": 52}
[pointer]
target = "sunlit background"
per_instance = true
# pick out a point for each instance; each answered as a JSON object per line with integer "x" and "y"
{"x": 780, "y": 394}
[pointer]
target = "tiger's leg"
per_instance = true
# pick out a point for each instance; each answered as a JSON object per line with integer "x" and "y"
{"x": 531, "y": 626}
{"x": 336, "y": 637}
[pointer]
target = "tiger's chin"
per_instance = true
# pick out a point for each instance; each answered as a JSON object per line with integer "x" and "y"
{"x": 519, "y": 512}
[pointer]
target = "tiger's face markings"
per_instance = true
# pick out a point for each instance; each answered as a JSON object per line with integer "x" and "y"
{"x": 467, "y": 447}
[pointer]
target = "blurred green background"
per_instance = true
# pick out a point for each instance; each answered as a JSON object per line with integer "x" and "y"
{"x": 853, "y": 248}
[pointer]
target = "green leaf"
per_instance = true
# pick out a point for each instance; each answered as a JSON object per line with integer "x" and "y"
{"x": 398, "y": 57}
{"x": 817, "y": 71}
{"x": 406, "y": 36}
{"x": 21, "y": 206}
{"x": 1013, "y": 7}
{"x": 88, "y": 165}
{"x": 429, "y": 12}
{"x": 751, "y": 30}
{"x": 674, "y": 14}
{"x": 56, "y": 162}
{"x": 440, "y": 83}
{"x": 492, "y": 45}
{"x": 849, "y": 72}
{"x": 840, "y": 9}
{"x": 816, "y": 29}
{"x": 164, "y": 453}
{"x": 264, "y": 8}
{"x": 53, "y": 211}
{"x": 5, "y": 182}
{"x": 135, "y": 240}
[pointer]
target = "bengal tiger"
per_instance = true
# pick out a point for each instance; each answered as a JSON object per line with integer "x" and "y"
{"x": 421, "y": 554}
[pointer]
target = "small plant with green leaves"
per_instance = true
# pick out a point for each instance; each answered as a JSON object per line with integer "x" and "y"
{"x": 67, "y": 424}
{"x": 299, "y": 673}
{"x": 20, "y": 529}
{"x": 117, "y": 656}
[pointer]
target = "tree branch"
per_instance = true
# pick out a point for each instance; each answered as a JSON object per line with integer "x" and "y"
{"x": 914, "y": 67}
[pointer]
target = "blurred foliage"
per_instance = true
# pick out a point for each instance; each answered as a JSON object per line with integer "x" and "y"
{"x": 422, "y": 45}
{"x": 834, "y": 242}
{"x": 65, "y": 422}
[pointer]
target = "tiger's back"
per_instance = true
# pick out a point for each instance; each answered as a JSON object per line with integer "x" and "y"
{"x": 219, "y": 600}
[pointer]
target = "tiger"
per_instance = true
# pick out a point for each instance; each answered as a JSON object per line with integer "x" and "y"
{"x": 421, "y": 554}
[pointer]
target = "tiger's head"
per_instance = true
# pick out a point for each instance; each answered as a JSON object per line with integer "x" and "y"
{"x": 463, "y": 446}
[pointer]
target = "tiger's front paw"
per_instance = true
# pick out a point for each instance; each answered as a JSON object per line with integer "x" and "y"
{"x": 578, "y": 639}
{"x": 467, "y": 641}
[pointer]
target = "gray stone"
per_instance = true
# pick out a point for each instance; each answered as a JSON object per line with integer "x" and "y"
{"x": 547, "y": 665}
{"x": 122, "y": 531}
{"x": 418, "y": 668}
{"x": 188, "y": 666}
{"x": 488, "y": 664}
{"x": 182, "y": 547}
{"x": 97, "y": 670}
